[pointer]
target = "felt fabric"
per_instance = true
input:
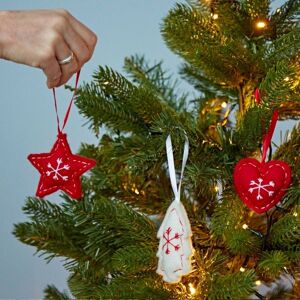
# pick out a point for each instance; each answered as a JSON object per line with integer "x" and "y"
{"x": 175, "y": 245}
{"x": 60, "y": 169}
{"x": 261, "y": 185}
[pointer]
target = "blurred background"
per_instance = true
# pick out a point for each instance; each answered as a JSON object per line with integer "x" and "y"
{"x": 28, "y": 124}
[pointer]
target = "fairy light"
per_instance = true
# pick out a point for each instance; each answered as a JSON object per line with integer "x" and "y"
{"x": 137, "y": 191}
{"x": 261, "y": 24}
{"x": 192, "y": 289}
{"x": 245, "y": 226}
{"x": 242, "y": 269}
{"x": 286, "y": 78}
{"x": 216, "y": 188}
{"x": 215, "y": 16}
{"x": 295, "y": 214}
{"x": 224, "y": 104}
{"x": 258, "y": 282}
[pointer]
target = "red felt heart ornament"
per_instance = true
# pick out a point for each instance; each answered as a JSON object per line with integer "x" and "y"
{"x": 261, "y": 185}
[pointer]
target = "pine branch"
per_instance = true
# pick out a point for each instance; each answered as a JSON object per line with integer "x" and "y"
{"x": 285, "y": 18}
{"x": 209, "y": 46}
{"x": 210, "y": 89}
{"x": 156, "y": 79}
{"x": 251, "y": 129}
{"x": 280, "y": 84}
{"x": 135, "y": 259}
{"x": 229, "y": 226}
{"x": 118, "y": 287}
{"x": 52, "y": 293}
{"x": 285, "y": 233}
{"x": 286, "y": 152}
{"x": 232, "y": 286}
{"x": 284, "y": 48}
{"x": 272, "y": 263}
{"x": 101, "y": 110}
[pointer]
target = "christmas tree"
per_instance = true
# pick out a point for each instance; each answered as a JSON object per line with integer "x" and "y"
{"x": 108, "y": 238}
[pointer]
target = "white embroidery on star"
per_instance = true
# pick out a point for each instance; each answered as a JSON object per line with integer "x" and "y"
{"x": 55, "y": 171}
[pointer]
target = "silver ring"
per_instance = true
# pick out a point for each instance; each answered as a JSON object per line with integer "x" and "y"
{"x": 66, "y": 60}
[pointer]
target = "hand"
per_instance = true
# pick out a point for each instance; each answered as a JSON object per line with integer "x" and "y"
{"x": 40, "y": 38}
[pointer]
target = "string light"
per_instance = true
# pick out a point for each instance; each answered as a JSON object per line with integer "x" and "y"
{"x": 261, "y": 24}
{"x": 258, "y": 282}
{"x": 215, "y": 16}
{"x": 295, "y": 214}
{"x": 245, "y": 226}
{"x": 137, "y": 191}
{"x": 224, "y": 104}
{"x": 216, "y": 188}
{"x": 192, "y": 289}
{"x": 242, "y": 269}
{"x": 286, "y": 78}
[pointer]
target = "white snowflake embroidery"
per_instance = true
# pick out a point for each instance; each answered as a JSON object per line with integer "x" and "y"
{"x": 56, "y": 170}
{"x": 259, "y": 187}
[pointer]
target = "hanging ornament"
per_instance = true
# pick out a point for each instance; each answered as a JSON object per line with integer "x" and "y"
{"x": 60, "y": 169}
{"x": 175, "y": 245}
{"x": 261, "y": 185}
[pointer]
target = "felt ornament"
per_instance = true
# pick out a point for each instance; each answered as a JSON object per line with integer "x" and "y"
{"x": 60, "y": 169}
{"x": 261, "y": 185}
{"x": 175, "y": 245}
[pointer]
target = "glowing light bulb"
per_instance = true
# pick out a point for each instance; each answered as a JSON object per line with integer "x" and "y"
{"x": 295, "y": 214}
{"x": 245, "y": 226}
{"x": 192, "y": 289}
{"x": 261, "y": 24}
{"x": 137, "y": 191}
{"x": 258, "y": 282}
{"x": 224, "y": 104}
{"x": 242, "y": 269}
{"x": 215, "y": 16}
{"x": 216, "y": 188}
{"x": 286, "y": 78}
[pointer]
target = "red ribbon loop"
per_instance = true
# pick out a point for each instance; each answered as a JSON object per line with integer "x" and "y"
{"x": 268, "y": 136}
{"x": 257, "y": 95}
{"x": 69, "y": 107}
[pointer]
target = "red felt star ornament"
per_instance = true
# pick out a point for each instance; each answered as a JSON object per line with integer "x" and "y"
{"x": 60, "y": 169}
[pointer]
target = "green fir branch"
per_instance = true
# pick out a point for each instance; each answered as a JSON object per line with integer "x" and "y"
{"x": 272, "y": 263}
{"x": 157, "y": 80}
{"x": 234, "y": 286}
{"x": 52, "y": 293}
{"x": 285, "y": 18}
{"x": 100, "y": 110}
{"x": 285, "y": 233}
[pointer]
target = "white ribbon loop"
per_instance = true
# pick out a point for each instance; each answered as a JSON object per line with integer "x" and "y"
{"x": 171, "y": 165}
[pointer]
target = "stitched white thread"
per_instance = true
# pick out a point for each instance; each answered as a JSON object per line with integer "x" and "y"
{"x": 279, "y": 192}
{"x": 67, "y": 148}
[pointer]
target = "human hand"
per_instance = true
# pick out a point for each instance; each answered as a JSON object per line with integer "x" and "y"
{"x": 42, "y": 38}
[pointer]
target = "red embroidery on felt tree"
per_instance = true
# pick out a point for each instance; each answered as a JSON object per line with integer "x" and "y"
{"x": 170, "y": 241}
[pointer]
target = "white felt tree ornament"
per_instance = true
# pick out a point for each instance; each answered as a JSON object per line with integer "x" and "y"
{"x": 175, "y": 245}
